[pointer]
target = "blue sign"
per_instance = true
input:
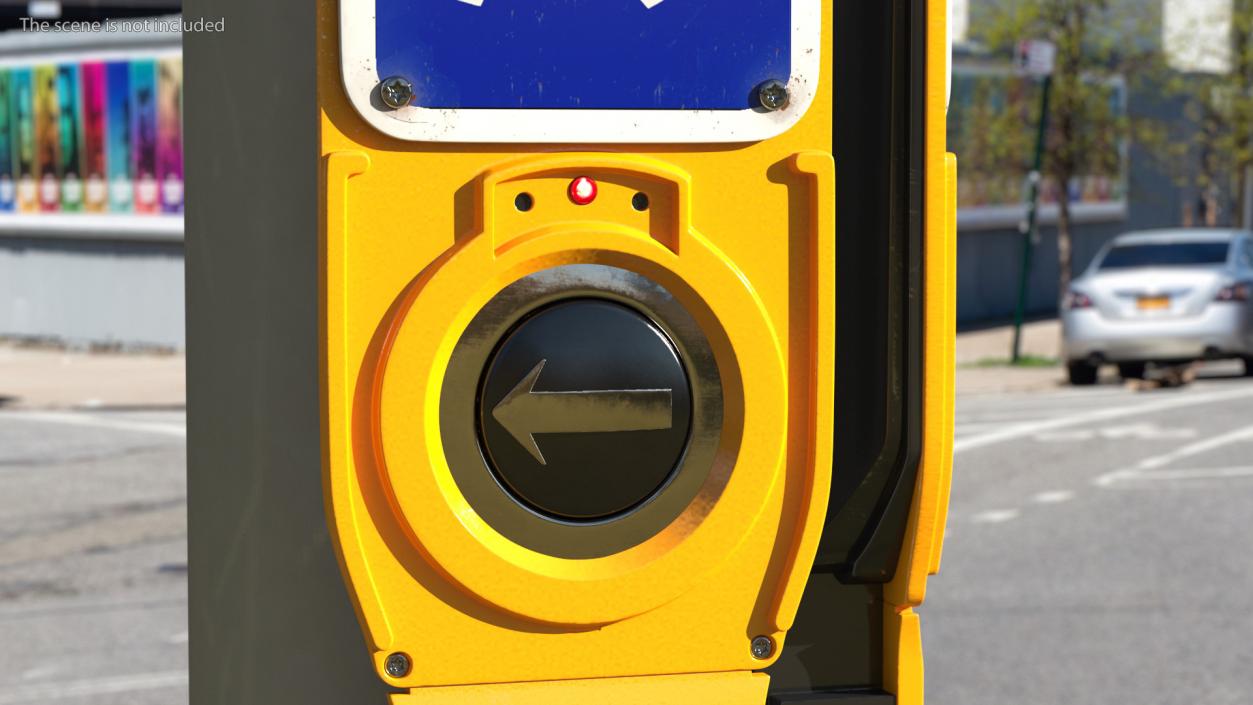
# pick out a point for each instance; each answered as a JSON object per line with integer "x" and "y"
{"x": 590, "y": 54}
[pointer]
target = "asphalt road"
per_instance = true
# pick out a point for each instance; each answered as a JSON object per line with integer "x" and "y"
{"x": 1098, "y": 552}
{"x": 1098, "y": 549}
{"x": 93, "y": 550}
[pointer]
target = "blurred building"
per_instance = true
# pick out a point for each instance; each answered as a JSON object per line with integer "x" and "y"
{"x": 91, "y": 192}
{"x": 1129, "y": 189}
{"x": 91, "y": 246}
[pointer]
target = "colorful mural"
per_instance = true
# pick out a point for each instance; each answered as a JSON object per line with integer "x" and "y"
{"x": 99, "y": 137}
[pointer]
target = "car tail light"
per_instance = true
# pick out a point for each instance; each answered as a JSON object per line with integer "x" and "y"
{"x": 1234, "y": 292}
{"x": 1075, "y": 300}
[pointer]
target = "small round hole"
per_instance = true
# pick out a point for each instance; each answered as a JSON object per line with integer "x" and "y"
{"x": 640, "y": 201}
{"x": 524, "y": 202}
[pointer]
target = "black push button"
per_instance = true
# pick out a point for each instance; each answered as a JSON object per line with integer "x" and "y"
{"x": 584, "y": 410}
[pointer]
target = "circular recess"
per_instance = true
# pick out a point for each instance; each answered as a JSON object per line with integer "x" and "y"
{"x": 581, "y": 412}
{"x": 584, "y": 410}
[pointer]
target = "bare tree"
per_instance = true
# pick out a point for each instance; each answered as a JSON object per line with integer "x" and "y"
{"x": 1212, "y": 150}
{"x": 1084, "y": 130}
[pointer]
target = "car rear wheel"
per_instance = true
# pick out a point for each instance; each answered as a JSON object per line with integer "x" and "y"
{"x": 1248, "y": 366}
{"x": 1131, "y": 370}
{"x": 1081, "y": 372}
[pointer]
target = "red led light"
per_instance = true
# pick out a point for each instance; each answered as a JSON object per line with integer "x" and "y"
{"x": 582, "y": 191}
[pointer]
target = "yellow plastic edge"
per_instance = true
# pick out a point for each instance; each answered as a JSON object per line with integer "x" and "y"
{"x": 924, "y": 530}
{"x": 920, "y": 555}
{"x": 820, "y": 168}
{"x": 343, "y": 498}
{"x": 338, "y": 489}
{"x": 950, "y": 364}
{"x": 733, "y": 688}
{"x": 902, "y": 655}
{"x": 493, "y": 569}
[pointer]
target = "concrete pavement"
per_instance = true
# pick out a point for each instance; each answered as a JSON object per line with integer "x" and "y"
{"x": 1097, "y": 547}
{"x": 50, "y": 378}
{"x": 981, "y": 355}
{"x": 1041, "y": 339}
{"x": 93, "y": 566}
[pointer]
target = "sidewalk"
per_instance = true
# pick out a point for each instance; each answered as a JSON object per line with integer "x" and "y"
{"x": 1041, "y": 339}
{"x": 977, "y": 351}
{"x": 46, "y": 378}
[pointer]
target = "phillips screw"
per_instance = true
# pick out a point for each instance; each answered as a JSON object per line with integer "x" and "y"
{"x": 772, "y": 95}
{"x": 397, "y": 665}
{"x": 396, "y": 92}
{"x": 762, "y": 647}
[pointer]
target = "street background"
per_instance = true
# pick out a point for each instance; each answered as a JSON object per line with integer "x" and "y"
{"x": 1096, "y": 547}
{"x": 93, "y": 525}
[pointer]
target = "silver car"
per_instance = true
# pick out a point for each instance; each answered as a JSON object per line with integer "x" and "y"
{"x": 1165, "y": 296}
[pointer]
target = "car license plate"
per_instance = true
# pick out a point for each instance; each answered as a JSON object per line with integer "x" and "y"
{"x": 1153, "y": 303}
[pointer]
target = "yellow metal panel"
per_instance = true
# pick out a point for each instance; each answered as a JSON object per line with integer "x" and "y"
{"x": 417, "y": 237}
{"x": 902, "y": 655}
{"x": 908, "y": 588}
{"x": 950, "y": 363}
{"x": 337, "y": 450}
{"x": 485, "y": 563}
{"x": 920, "y": 555}
{"x": 820, "y": 168}
{"x": 739, "y": 688}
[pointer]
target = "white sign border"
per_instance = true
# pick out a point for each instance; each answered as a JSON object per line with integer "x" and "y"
{"x": 568, "y": 126}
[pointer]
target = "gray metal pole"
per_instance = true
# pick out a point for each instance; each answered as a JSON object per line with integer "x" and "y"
{"x": 1030, "y": 227}
{"x": 270, "y": 620}
{"x": 1246, "y": 214}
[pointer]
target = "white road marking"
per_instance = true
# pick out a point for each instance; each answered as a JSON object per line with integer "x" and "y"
{"x": 1092, "y": 417}
{"x": 1066, "y": 436}
{"x": 75, "y": 419}
{"x": 37, "y": 610}
{"x": 1109, "y": 478}
{"x": 979, "y": 427}
{"x": 92, "y": 686}
{"x": 1053, "y": 497}
{"x": 1140, "y": 470}
{"x": 1142, "y": 431}
{"x": 179, "y": 638}
{"x": 995, "y": 516}
{"x": 1204, "y": 446}
{"x": 1018, "y": 401}
{"x": 1006, "y": 417}
{"x": 1192, "y": 474}
{"x": 38, "y": 672}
